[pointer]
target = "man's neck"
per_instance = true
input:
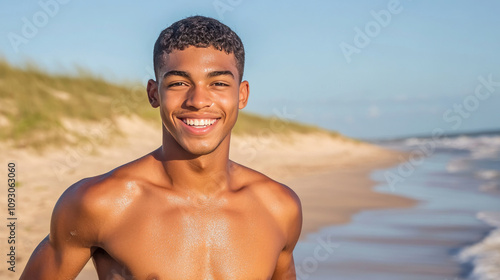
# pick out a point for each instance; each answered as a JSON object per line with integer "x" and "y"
{"x": 199, "y": 175}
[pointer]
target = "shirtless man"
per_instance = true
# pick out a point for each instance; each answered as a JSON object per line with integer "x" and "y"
{"x": 183, "y": 211}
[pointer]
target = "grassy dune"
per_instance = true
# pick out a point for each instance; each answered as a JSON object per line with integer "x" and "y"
{"x": 39, "y": 109}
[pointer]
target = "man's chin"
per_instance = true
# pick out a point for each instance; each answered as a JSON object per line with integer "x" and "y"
{"x": 200, "y": 152}
{"x": 200, "y": 149}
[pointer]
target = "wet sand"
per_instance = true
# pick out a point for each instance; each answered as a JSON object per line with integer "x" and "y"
{"x": 423, "y": 242}
{"x": 332, "y": 198}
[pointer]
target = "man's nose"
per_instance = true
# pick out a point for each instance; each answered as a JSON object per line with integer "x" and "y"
{"x": 198, "y": 98}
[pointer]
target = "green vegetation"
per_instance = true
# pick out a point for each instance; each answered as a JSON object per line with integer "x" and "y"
{"x": 36, "y": 106}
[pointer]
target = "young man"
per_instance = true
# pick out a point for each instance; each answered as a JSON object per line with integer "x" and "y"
{"x": 184, "y": 211}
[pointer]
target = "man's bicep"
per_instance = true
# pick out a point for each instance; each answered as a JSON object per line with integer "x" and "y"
{"x": 55, "y": 262}
{"x": 285, "y": 267}
{"x": 66, "y": 250}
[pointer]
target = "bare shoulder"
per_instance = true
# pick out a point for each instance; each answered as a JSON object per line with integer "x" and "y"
{"x": 269, "y": 189}
{"x": 94, "y": 204}
{"x": 278, "y": 198}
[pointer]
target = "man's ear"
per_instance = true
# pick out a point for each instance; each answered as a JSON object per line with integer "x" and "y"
{"x": 152, "y": 90}
{"x": 243, "y": 94}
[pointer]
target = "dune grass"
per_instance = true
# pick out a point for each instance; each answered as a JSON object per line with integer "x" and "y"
{"x": 36, "y": 105}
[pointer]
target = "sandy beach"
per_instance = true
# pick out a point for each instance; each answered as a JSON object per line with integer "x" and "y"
{"x": 300, "y": 161}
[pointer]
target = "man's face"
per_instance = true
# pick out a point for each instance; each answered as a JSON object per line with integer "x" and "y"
{"x": 199, "y": 94}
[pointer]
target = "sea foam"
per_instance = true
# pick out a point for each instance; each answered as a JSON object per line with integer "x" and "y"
{"x": 485, "y": 255}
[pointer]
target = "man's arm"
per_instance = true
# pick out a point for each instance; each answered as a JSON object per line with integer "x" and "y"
{"x": 66, "y": 250}
{"x": 292, "y": 214}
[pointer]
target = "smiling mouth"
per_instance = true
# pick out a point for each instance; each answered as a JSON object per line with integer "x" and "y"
{"x": 199, "y": 123}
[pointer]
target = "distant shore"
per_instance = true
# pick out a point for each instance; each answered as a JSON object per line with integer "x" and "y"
{"x": 308, "y": 163}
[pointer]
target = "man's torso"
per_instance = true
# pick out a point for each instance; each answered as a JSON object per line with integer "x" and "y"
{"x": 156, "y": 233}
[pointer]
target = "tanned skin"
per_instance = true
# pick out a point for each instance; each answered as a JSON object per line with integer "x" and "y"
{"x": 183, "y": 211}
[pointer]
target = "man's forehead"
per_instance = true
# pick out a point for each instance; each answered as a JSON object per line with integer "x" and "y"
{"x": 198, "y": 57}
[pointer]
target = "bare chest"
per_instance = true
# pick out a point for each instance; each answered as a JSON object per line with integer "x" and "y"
{"x": 201, "y": 243}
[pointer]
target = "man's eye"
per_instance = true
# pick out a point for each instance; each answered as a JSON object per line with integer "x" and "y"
{"x": 177, "y": 84}
{"x": 220, "y": 84}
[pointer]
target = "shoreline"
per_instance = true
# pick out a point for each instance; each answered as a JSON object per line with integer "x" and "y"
{"x": 450, "y": 233}
{"x": 334, "y": 197}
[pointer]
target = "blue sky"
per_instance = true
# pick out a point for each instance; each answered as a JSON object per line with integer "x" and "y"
{"x": 369, "y": 69}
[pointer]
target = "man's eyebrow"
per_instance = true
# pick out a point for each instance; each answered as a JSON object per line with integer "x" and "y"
{"x": 219, "y": 73}
{"x": 177, "y": 73}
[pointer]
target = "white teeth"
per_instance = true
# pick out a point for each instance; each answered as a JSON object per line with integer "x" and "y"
{"x": 199, "y": 122}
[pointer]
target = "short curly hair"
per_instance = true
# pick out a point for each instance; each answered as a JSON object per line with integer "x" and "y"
{"x": 200, "y": 32}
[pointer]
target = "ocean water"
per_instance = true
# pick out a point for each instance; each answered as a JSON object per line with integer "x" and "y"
{"x": 452, "y": 234}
